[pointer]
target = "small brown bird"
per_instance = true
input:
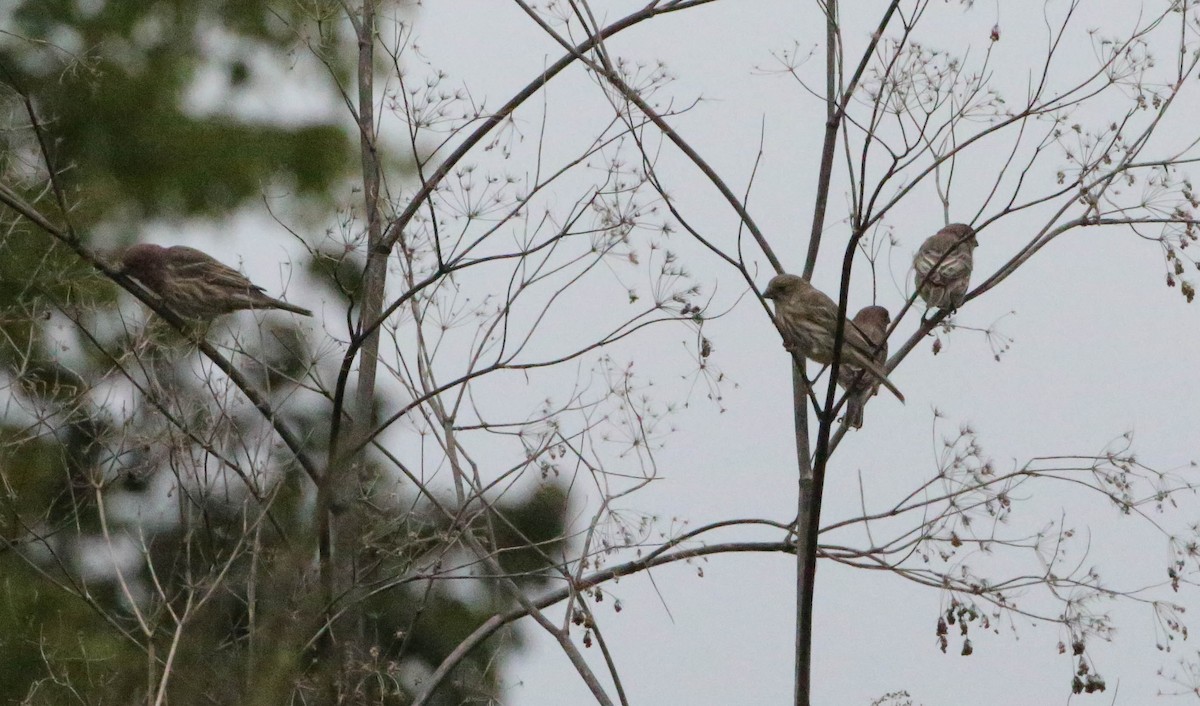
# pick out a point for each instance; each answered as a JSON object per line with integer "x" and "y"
{"x": 872, "y": 322}
{"x": 807, "y": 320}
{"x": 194, "y": 285}
{"x": 942, "y": 266}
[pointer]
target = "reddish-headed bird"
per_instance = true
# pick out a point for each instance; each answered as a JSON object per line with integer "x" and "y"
{"x": 807, "y": 320}
{"x": 872, "y": 322}
{"x": 942, "y": 266}
{"x": 194, "y": 285}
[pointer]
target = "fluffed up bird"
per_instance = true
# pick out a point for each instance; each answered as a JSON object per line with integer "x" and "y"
{"x": 942, "y": 266}
{"x": 194, "y": 285}
{"x": 872, "y": 322}
{"x": 807, "y": 320}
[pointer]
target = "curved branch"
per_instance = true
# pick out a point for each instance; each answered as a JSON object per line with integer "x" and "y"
{"x": 499, "y": 620}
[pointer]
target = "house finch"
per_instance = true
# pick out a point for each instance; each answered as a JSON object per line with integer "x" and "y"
{"x": 807, "y": 320}
{"x": 195, "y": 286}
{"x": 943, "y": 266}
{"x": 872, "y": 323}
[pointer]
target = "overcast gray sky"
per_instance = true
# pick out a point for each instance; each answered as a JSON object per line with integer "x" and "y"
{"x": 1100, "y": 348}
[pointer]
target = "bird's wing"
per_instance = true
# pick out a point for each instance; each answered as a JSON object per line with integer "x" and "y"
{"x": 865, "y": 332}
{"x": 870, "y": 340}
{"x": 936, "y": 267}
{"x": 860, "y": 354}
{"x": 820, "y": 309}
{"x": 927, "y": 256}
{"x": 186, "y": 261}
{"x": 859, "y": 339}
{"x": 878, "y": 373}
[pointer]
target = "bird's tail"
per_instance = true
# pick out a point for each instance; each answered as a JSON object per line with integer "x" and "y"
{"x": 854, "y": 411}
{"x": 878, "y": 373}
{"x": 280, "y": 304}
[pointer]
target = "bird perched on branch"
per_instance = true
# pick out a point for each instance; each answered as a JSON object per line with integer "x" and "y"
{"x": 872, "y": 322}
{"x": 807, "y": 320}
{"x": 942, "y": 266}
{"x": 194, "y": 285}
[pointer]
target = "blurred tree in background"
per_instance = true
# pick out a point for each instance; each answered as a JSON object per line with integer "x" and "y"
{"x": 358, "y": 507}
{"x": 126, "y": 539}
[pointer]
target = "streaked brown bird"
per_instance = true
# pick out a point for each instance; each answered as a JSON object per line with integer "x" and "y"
{"x": 194, "y": 285}
{"x": 942, "y": 266}
{"x": 872, "y": 322}
{"x": 807, "y": 320}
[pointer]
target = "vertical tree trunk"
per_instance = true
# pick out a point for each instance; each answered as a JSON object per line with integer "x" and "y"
{"x": 339, "y": 486}
{"x": 809, "y": 491}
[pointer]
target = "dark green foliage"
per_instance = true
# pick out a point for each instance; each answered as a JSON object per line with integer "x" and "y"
{"x": 56, "y": 647}
{"x": 534, "y": 532}
{"x": 339, "y": 270}
{"x": 115, "y": 102}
